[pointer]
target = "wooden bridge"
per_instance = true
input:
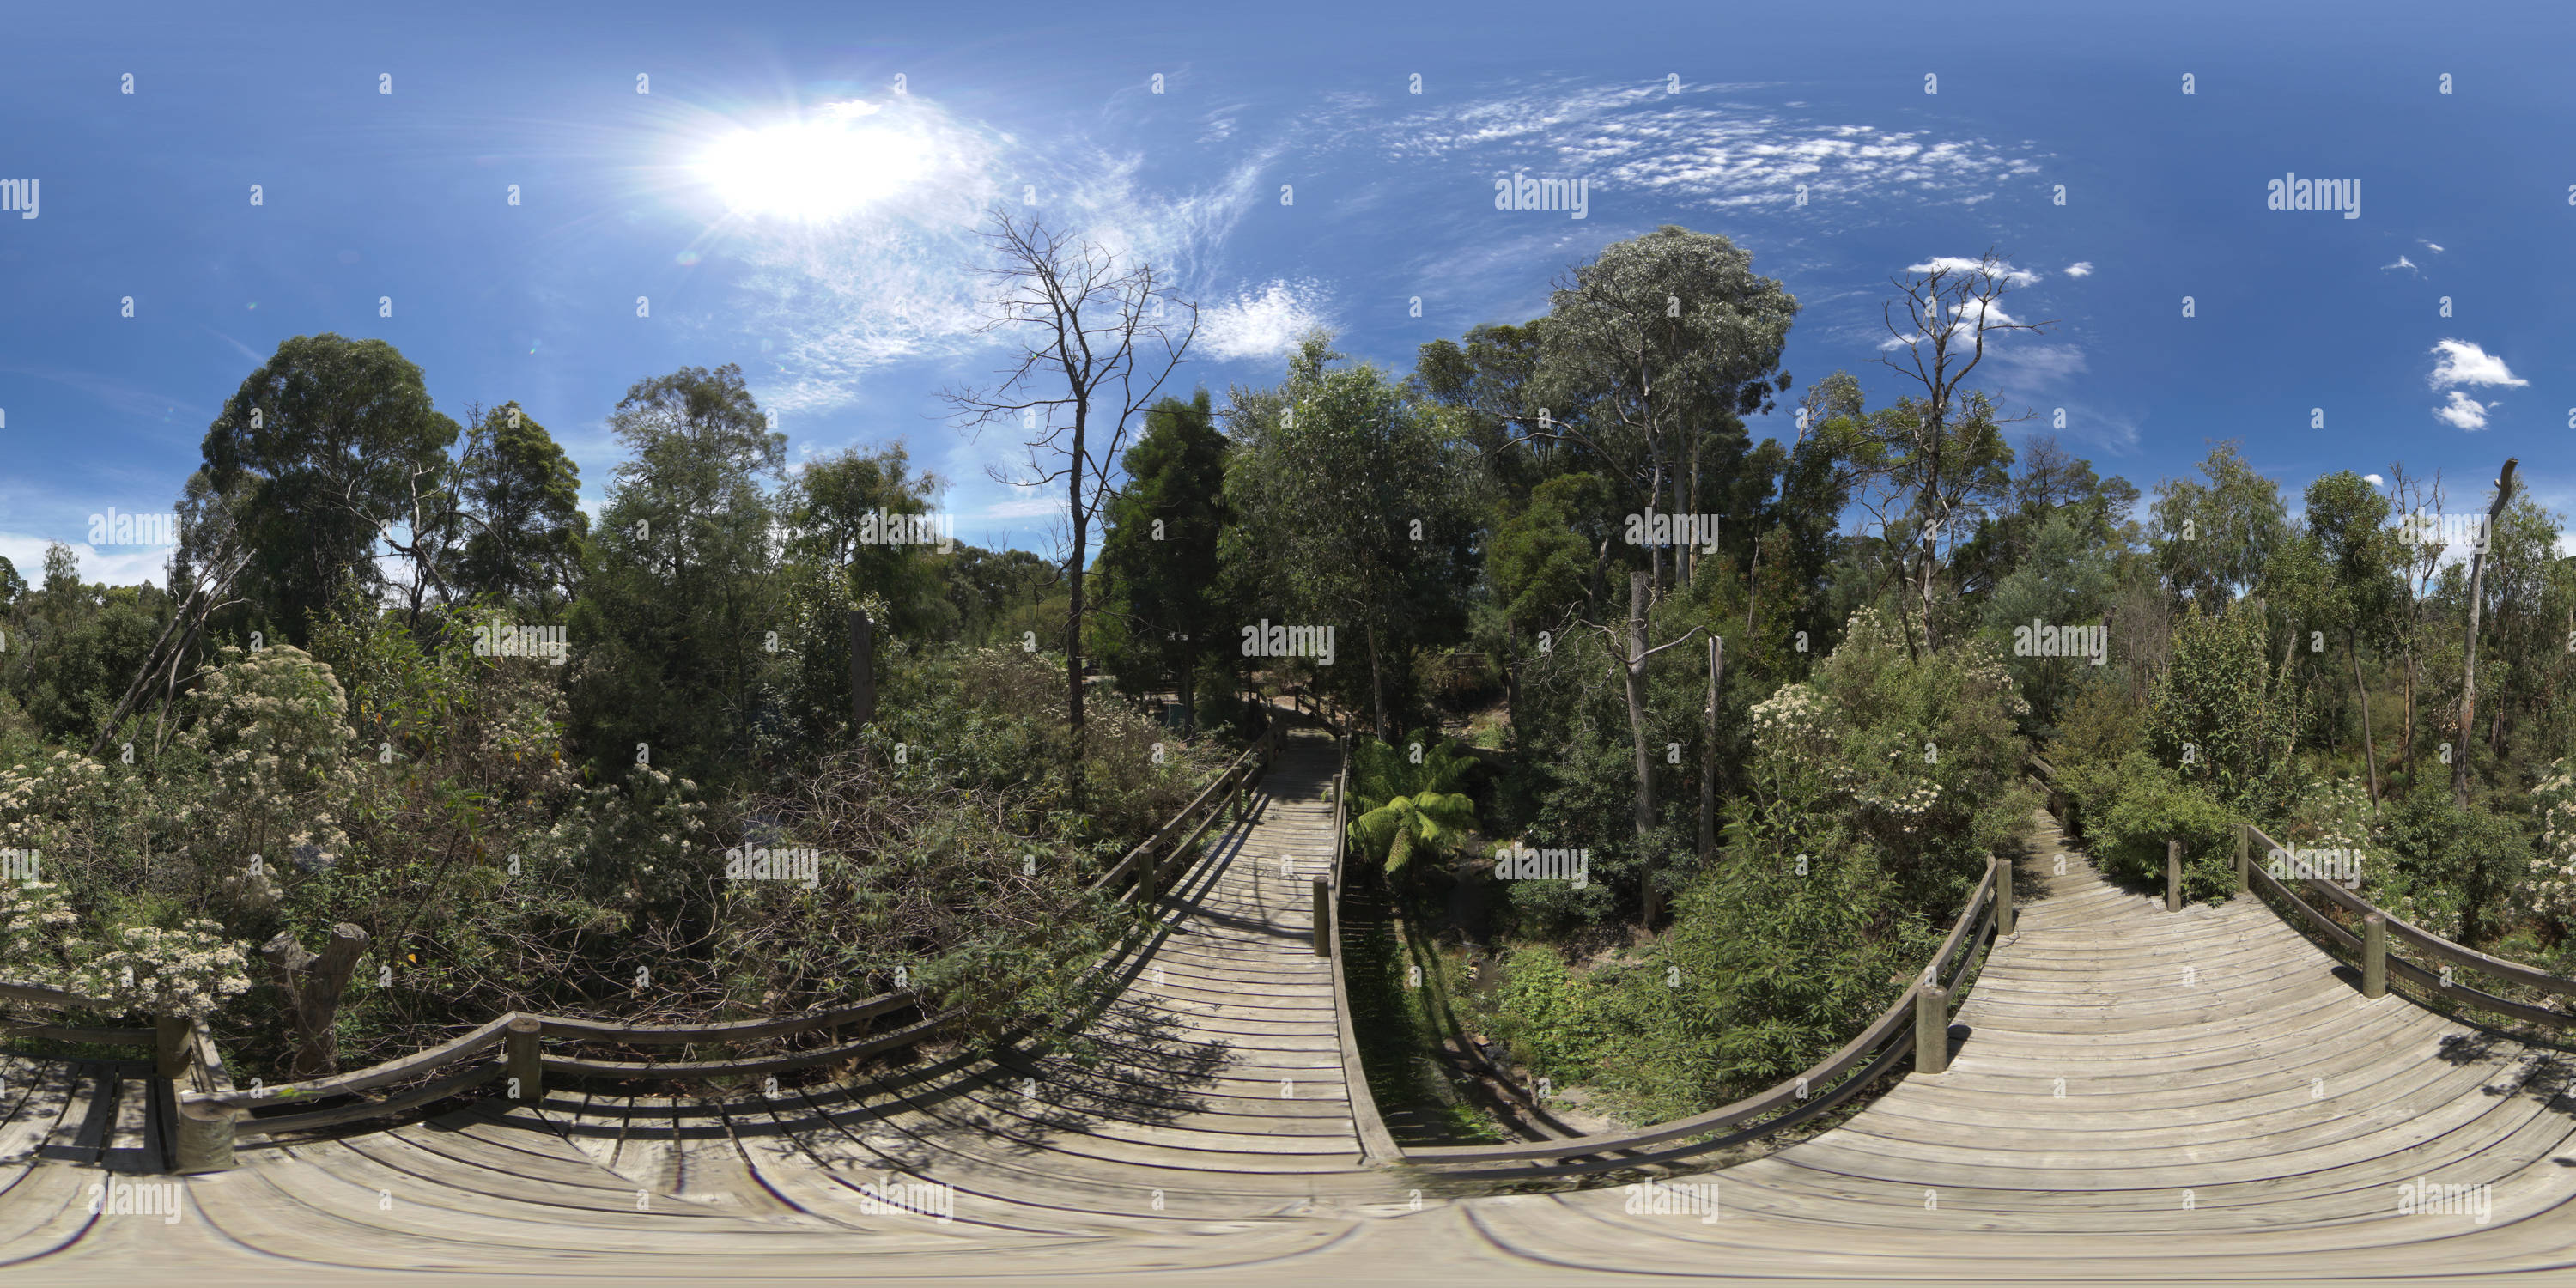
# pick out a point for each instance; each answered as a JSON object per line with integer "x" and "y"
{"x": 2126, "y": 1093}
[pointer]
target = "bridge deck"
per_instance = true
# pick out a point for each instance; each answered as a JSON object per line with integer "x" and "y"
{"x": 2231, "y": 1109}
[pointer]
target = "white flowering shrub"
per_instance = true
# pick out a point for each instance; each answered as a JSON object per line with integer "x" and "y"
{"x": 146, "y": 970}
{"x": 37, "y": 939}
{"x": 273, "y": 728}
{"x": 1918, "y": 750}
{"x": 151, "y": 970}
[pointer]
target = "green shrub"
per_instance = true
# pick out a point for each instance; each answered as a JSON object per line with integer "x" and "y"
{"x": 2152, "y": 806}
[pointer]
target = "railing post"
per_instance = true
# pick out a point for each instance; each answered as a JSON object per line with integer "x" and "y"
{"x": 2374, "y": 955}
{"x": 524, "y": 1059}
{"x": 1323, "y": 917}
{"x": 2003, "y": 898}
{"x": 171, "y": 1035}
{"x": 1931, "y": 1029}
{"x": 2173, "y": 876}
{"x": 206, "y": 1136}
{"x": 2244, "y": 856}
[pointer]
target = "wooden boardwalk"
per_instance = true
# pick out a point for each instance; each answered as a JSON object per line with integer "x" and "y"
{"x": 2134, "y": 1095}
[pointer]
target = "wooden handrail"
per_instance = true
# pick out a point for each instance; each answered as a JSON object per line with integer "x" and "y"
{"x": 53, "y": 998}
{"x": 2421, "y": 938}
{"x": 1377, "y": 1144}
{"x": 1895, "y": 1025}
{"x": 209, "y": 1085}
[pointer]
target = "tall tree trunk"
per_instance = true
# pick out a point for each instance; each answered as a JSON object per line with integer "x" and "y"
{"x": 1511, "y": 683}
{"x": 2469, "y": 653}
{"x": 2369, "y": 748}
{"x": 1377, "y": 688}
{"x": 1708, "y": 755}
{"x": 2406, "y": 754}
{"x": 1634, "y": 670}
{"x": 1073, "y": 620}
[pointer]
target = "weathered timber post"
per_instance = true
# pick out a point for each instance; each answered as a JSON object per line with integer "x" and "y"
{"x": 2173, "y": 876}
{"x": 2003, "y": 898}
{"x": 1323, "y": 917}
{"x": 2244, "y": 857}
{"x": 313, "y": 983}
{"x": 171, "y": 1035}
{"x": 525, "y": 1058}
{"x": 2374, "y": 955}
{"x": 863, "y": 676}
{"x": 1931, "y": 1029}
{"x": 206, "y": 1136}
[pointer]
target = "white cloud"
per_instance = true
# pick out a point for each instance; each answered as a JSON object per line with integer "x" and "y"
{"x": 2081, "y": 268}
{"x": 126, "y": 566}
{"x": 2463, "y": 363}
{"x": 1636, "y": 138}
{"x": 2006, "y": 273}
{"x": 2462, "y": 412}
{"x": 2429, "y": 246}
{"x": 2404, "y": 263}
{"x": 1962, "y": 325}
{"x": 2374, "y": 480}
{"x": 1261, "y": 326}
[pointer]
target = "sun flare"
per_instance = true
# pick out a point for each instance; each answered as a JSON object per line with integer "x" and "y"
{"x": 813, "y": 170}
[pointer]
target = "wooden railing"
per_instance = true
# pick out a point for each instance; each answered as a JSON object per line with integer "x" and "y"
{"x": 205, "y": 1113}
{"x": 1864, "y": 1060}
{"x": 1377, "y": 1144}
{"x": 2377, "y": 963}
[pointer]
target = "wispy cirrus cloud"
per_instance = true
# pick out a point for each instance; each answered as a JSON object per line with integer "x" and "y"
{"x": 1695, "y": 145}
{"x": 1264, "y": 325}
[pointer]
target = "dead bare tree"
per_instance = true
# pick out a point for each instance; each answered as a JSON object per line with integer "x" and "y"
{"x": 2469, "y": 651}
{"x": 1950, "y": 308}
{"x": 1094, "y": 340}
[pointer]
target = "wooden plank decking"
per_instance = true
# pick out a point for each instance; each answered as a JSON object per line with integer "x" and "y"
{"x": 2231, "y": 1110}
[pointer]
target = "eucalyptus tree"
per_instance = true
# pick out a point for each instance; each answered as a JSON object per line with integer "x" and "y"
{"x": 1666, "y": 341}
{"x": 331, "y": 439}
{"x": 1354, "y": 509}
{"x": 2347, "y": 519}
{"x": 2212, "y": 539}
{"x": 1158, "y": 559}
{"x": 1093, "y": 338}
{"x": 681, "y": 590}
{"x": 520, "y": 501}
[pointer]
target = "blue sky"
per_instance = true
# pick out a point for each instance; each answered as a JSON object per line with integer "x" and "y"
{"x": 848, "y": 329}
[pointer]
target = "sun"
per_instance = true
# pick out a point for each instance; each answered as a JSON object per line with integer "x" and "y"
{"x": 815, "y": 169}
